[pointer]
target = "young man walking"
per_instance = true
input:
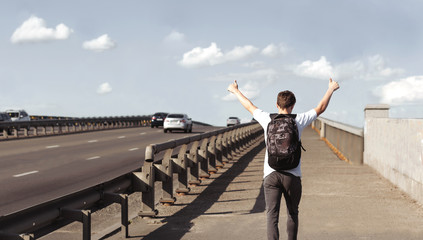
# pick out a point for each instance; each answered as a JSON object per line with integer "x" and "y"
{"x": 286, "y": 182}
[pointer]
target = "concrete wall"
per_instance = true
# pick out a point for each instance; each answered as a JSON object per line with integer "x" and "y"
{"x": 346, "y": 141}
{"x": 394, "y": 148}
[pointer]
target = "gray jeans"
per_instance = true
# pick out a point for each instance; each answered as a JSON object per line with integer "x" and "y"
{"x": 276, "y": 184}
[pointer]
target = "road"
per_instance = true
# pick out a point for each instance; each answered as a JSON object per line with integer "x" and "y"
{"x": 36, "y": 170}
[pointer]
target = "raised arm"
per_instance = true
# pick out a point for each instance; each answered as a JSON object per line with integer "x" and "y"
{"x": 233, "y": 88}
{"x": 323, "y": 104}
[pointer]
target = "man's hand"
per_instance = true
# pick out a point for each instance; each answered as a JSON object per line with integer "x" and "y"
{"x": 233, "y": 87}
{"x": 333, "y": 85}
{"x": 323, "y": 104}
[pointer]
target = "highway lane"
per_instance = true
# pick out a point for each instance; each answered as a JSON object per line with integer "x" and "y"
{"x": 36, "y": 170}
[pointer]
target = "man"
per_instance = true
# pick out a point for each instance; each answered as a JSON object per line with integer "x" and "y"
{"x": 287, "y": 182}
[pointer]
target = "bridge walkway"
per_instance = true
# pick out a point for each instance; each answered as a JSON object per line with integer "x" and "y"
{"x": 339, "y": 201}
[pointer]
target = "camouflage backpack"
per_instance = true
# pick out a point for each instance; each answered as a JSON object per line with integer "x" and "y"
{"x": 283, "y": 143}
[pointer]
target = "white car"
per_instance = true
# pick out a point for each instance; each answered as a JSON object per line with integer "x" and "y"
{"x": 18, "y": 115}
{"x": 177, "y": 121}
{"x": 232, "y": 121}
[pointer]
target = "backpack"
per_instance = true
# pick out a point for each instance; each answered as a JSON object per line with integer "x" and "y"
{"x": 283, "y": 143}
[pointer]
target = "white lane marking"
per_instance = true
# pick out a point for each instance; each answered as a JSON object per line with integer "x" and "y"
{"x": 93, "y": 141}
{"x": 133, "y": 149}
{"x": 24, "y": 174}
{"x": 143, "y": 133}
{"x": 92, "y": 158}
{"x": 53, "y": 146}
{"x": 120, "y": 137}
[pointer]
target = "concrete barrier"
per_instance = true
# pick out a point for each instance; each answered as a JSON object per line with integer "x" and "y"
{"x": 394, "y": 148}
{"x": 346, "y": 141}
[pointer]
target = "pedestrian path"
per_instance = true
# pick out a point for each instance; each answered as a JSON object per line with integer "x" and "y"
{"x": 339, "y": 201}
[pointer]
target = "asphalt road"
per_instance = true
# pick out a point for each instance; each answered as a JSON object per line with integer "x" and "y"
{"x": 33, "y": 171}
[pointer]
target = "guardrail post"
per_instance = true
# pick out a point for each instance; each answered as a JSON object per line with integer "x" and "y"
{"x": 5, "y": 134}
{"x": 122, "y": 199}
{"x": 144, "y": 183}
{"x": 212, "y": 155}
{"x": 164, "y": 173}
{"x": 246, "y": 140}
{"x": 35, "y": 131}
{"x": 232, "y": 143}
{"x": 180, "y": 166}
{"x": 203, "y": 159}
{"x": 218, "y": 151}
{"x": 25, "y": 132}
{"x": 237, "y": 139}
{"x": 83, "y": 216}
{"x": 15, "y": 132}
{"x": 225, "y": 147}
{"x": 193, "y": 173}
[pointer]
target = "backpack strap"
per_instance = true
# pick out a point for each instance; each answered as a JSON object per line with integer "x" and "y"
{"x": 276, "y": 115}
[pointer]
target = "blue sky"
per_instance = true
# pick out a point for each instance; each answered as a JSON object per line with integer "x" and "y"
{"x": 114, "y": 58}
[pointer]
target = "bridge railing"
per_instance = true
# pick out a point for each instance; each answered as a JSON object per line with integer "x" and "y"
{"x": 191, "y": 158}
{"x": 345, "y": 140}
{"x": 63, "y": 126}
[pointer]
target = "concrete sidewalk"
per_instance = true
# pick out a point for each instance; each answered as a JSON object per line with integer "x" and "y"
{"x": 340, "y": 201}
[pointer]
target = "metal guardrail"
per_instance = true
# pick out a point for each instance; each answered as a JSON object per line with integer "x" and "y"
{"x": 63, "y": 126}
{"x": 197, "y": 157}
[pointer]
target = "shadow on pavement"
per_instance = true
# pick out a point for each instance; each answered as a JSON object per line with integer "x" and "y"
{"x": 180, "y": 223}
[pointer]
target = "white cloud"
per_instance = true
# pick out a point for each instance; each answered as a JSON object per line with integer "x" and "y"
{"x": 320, "y": 69}
{"x": 407, "y": 90}
{"x": 350, "y": 70}
{"x": 104, "y": 88}
{"x": 371, "y": 68}
{"x": 100, "y": 44}
{"x": 175, "y": 36}
{"x": 273, "y": 50}
{"x": 34, "y": 30}
{"x": 265, "y": 76}
{"x": 255, "y": 64}
{"x": 377, "y": 68}
{"x": 239, "y": 53}
{"x": 250, "y": 83}
{"x": 213, "y": 55}
{"x": 250, "y": 90}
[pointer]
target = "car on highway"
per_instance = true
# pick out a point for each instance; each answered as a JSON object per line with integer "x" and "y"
{"x": 18, "y": 115}
{"x": 177, "y": 121}
{"x": 4, "y": 117}
{"x": 232, "y": 121}
{"x": 157, "y": 119}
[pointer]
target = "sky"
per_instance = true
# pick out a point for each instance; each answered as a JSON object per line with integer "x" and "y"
{"x": 122, "y": 58}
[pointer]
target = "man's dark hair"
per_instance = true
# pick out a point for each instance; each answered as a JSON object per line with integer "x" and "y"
{"x": 286, "y": 99}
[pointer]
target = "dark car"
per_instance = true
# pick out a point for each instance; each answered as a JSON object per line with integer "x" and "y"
{"x": 4, "y": 117}
{"x": 158, "y": 118}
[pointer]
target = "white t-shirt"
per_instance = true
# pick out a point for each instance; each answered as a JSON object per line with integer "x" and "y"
{"x": 302, "y": 120}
